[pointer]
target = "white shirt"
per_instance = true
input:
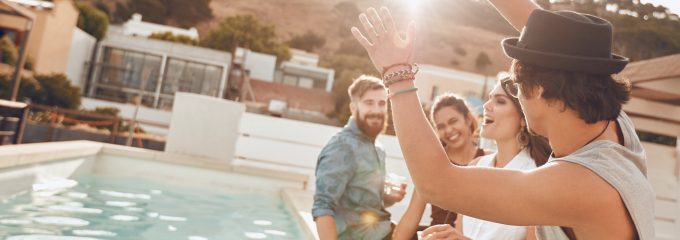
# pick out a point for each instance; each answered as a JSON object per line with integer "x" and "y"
{"x": 480, "y": 229}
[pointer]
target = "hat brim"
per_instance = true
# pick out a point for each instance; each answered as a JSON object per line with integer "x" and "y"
{"x": 564, "y": 62}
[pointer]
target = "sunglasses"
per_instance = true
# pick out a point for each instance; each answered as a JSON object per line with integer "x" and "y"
{"x": 511, "y": 88}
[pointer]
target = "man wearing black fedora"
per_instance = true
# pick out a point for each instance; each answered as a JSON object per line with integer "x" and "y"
{"x": 594, "y": 185}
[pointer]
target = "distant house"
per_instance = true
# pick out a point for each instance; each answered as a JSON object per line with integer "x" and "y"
{"x": 129, "y": 64}
{"x": 435, "y": 80}
{"x": 299, "y": 86}
{"x": 52, "y": 29}
{"x": 302, "y": 71}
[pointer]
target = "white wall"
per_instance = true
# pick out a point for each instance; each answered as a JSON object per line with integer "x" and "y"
{"x": 82, "y": 46}
{"x": 204, "y": 126}
{"x": 261, "y": 66}
{"x": 664, "y": 173}
{"x": 295, "y": 143}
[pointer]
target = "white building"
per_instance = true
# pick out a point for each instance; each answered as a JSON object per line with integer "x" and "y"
{"x": 127, "y": 66}
{"x": 435, "y": 80}
{"x": 82, "y": 46}
{"x": 302, "y": 70}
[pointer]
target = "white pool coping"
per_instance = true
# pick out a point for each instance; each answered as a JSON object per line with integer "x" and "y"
{"x": 299, "y": 200}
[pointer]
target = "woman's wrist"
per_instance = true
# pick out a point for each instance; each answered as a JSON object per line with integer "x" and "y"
{"x": 398, "y": 86}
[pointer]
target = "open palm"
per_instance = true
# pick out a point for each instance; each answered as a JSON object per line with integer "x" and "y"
{"x": 386, "y": 46}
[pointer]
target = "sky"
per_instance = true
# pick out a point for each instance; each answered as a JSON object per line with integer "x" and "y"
{"x": 673, "y": 5}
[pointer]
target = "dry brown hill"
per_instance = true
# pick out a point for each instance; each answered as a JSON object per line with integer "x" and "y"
{"x": 442, "y": 36}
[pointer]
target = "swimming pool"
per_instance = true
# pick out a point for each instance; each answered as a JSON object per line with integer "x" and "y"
{"x": 85, "y": 190}
{"x": 133, "y": 208}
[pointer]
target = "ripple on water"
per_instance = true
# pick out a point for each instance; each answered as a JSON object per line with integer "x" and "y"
{"x": 94, "y": 233}
{"x": 61, "y": 221}
{"x": 47, "y": 237}
{"x": 255, "y": 235}
{"x": 124, "y": 218}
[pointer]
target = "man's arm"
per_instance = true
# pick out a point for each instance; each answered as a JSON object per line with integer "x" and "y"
{"x": 325, "y": 226}
{"x": 516, "y": 12}
{"x": 334, "y": 170}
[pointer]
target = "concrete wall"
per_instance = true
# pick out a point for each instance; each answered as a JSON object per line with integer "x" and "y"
{"x": 664, "y": 174}
{"x": 261, "y": 66}
{"x": 82, "y": 46}
{"x": 204, "y": 126}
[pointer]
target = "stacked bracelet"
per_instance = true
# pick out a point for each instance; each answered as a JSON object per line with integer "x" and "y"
{"x": 401, "y": 75}
{"x": 385, "y": 69}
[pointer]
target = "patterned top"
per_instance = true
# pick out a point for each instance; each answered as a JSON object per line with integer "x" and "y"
{"x": 350, "y": 175}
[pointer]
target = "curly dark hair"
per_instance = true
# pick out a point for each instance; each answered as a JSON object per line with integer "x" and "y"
{"x": 594, "y": 97}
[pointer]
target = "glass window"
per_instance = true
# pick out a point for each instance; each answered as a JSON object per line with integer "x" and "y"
{"x": 211, "y": 83}
{"x": 128, "y": 69}
{"x": 290, "y": 80}
{"x": 306, "y": 83}
{"x": 186, "y": 76}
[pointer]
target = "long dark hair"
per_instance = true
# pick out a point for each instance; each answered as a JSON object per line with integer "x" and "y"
{"x": 538, "y": 146}
{"x": 457, "y": 103}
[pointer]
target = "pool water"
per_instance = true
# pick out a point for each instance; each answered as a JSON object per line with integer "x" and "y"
{"x": 96, "y": 207}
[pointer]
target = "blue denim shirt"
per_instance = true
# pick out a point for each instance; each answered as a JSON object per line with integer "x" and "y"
{"x": 350, "y": 175}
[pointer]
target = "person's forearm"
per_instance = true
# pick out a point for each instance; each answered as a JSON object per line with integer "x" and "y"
{"x": 409, "y": 222}
{"x": 516, "y": 12}
{"x": 425, "y": 157}
{"x": 325, "y": 226}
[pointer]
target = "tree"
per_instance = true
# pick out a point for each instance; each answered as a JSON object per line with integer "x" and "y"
{"x": 103, "y": 7}
{"x": 347, "y": 68}
{"x": 27, "y": 88}
{"x": 168, "y": 36}
{"x": 92, "y": 20}
{"x": 481, "y": 63}
{"x": 56, "y": 90}
{"x": 246, "y": 31}
{"x": 347, "y": 12}
{"x": 122, "y": 13}
{"x": 8, "y": 51}
{"x": 180, "y": 12}
{"x": 188, "y": 13}
{"x": 308, "y": 41}
{"x": 151, "y": 10}
{"x": 351, "y": 47}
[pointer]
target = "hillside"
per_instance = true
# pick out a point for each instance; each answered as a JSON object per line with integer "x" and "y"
{"x": 443, "y": 39}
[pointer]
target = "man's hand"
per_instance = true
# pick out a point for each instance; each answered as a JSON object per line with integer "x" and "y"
{"x": 395, "y": 195}
{"x": 385, "y": 44}
{"x": 442, "y": 232}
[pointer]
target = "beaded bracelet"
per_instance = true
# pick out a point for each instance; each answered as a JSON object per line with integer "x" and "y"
{"x": 401, "y": 75}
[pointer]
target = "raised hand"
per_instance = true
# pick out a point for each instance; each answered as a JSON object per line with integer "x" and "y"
{"x": 442, "y": 232}
{"x": 386, "y": 46}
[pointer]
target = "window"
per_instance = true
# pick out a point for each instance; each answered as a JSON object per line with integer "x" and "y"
{"x": 306, "y": 83}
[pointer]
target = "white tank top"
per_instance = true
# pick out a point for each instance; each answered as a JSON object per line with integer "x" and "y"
{"x": 480, "y": 229}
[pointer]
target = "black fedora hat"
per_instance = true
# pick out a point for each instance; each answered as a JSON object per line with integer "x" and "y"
{"x": 566, "y": 40}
